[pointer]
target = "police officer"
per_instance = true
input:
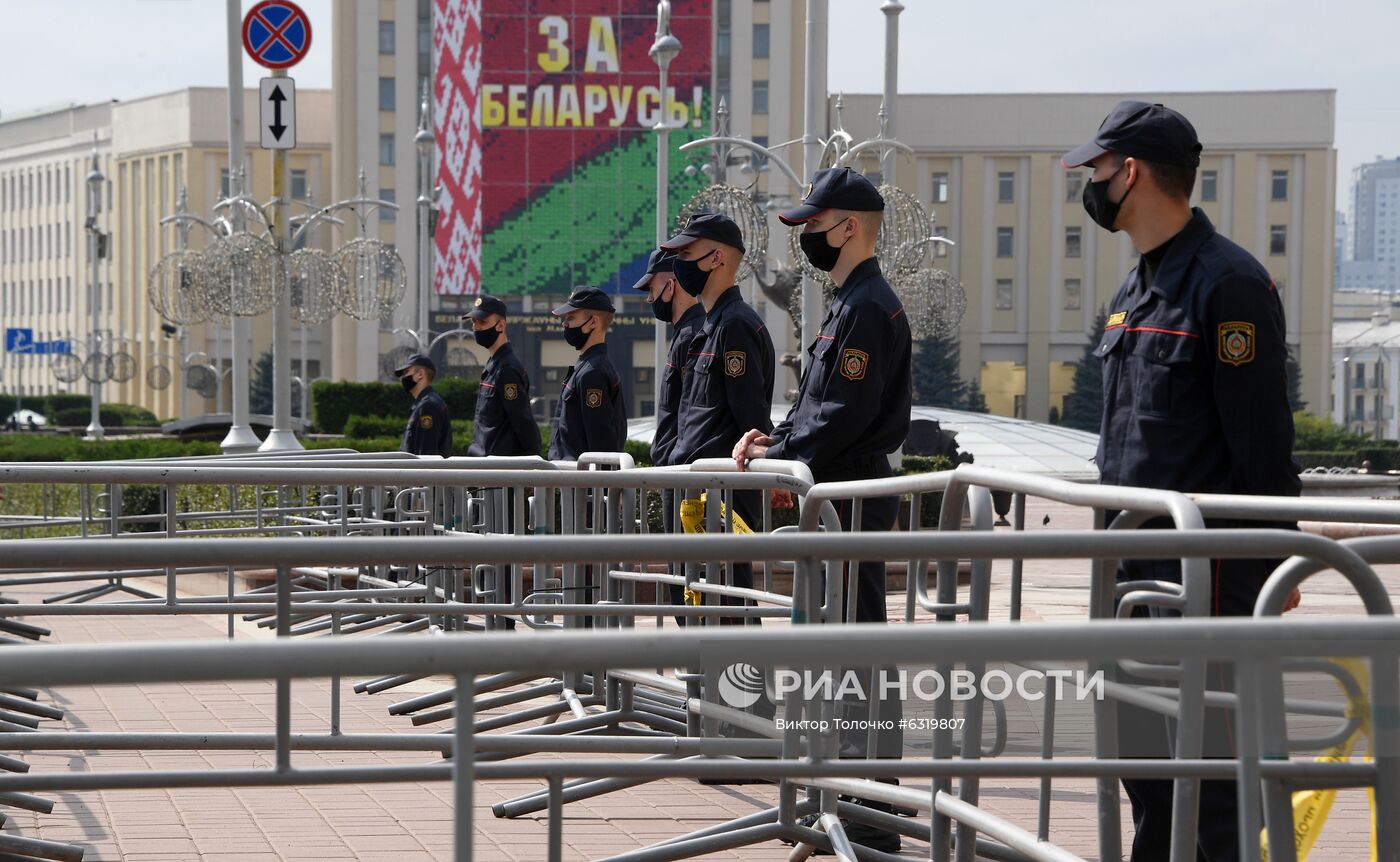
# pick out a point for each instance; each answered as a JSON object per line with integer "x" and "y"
{"x": 853, "y": 403}
{"x": 429, "y": 430}
{"x": 503, "y": 425}
{"x": 591, "y": 415}
{"x": 728, "y": 385}
{"x": 1195, "y": 400}
{"x": 684, "y": 312}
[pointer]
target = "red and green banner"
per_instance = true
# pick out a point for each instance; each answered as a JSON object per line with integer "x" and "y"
{"x": 545, "y": 112}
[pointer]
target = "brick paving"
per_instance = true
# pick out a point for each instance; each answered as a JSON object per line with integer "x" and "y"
{"x": 407, "y": 822}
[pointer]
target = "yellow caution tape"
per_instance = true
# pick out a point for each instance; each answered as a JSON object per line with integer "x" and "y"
{"x": 693, "y": 521}
{"x": 1311, "y": 807}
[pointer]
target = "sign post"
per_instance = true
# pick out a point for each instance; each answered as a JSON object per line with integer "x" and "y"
{"x": 277, "y": 35}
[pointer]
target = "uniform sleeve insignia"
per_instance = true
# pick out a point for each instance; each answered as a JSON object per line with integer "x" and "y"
{"x": 593, "y": 397}
{"x": 425, "y": 421}
{"x": 512, "y": 391}
{"x": 1116, "y": 319}
{"x": 735, "y": 362}
{"x": 1236, "y": 342}
{"x": 853, "y": 363}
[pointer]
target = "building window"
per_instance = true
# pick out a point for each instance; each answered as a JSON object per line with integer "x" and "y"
{"x": 1074, "y": 187}
{"x": 386, "y": 94}
{"x": 386, "y": 37}
{"x": 300, "y": 191}
{"x": 223, "y": 184}
{"x": 1006, "y": 187}
{"x": 1278, "y": 239}
{"x": 1360, "y": 375}
{"x": 940, "y": 188}
{"x": 760, "y": 97}
{"x": 1005, "y": 237}
{"x": 1279, "y": 186}
{"x": 1006, "y": 298}
{"x": 760, "y": 41}
{"x": 1208, "y": 192}
{"x": 386, "y": 149}
{"x": 1360, "y": 414}
{"x": 940, "y": 249}
{"x": 1073, "y": 291}
{"x": 388, "y": 213}
{"x": 1073, "y": 235}
{"x": 1018, "y": 406}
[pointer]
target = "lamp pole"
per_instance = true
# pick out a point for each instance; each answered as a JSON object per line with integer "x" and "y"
{"x": 425, "y": 141}
{"x": 813, "y": 123}
{"x": 663, "y": 51}
{"x": 281, "y": 438}
{"x": 95, "y": 252}
{"x": 891, "y": 8}
{"x": 240, "y": 437}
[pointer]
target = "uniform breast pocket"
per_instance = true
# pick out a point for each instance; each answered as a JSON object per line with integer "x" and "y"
{"x": 704, "y": 387}
{"x": 819, "y": 370}
{"x": 1165, "y": 381}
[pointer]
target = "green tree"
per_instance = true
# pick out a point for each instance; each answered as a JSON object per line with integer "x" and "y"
{"x": 976, "y": 401}
{"x": 936, "y": 380}
{"x": 1084, "y": 403}
{"x": 260, "y": 389}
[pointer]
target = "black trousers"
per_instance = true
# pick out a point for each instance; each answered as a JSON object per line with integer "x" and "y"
{"x": 1235, "y": 584}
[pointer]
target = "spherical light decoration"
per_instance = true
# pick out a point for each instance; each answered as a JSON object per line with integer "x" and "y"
{"x": 738, "y": 205}
{"x": 905, "y": 224}
{"x": 375, "y": 279}
{"x": 934, "y": 302}
{"x": 66, "y": 367}
{"x": 158, "y": 377}
{"x": 394, "y": 360}
{"x": 173, "y": 291}
{"x": 98, "y": 367}
{"x": 202, "y": 379}
{"x": 240, "y": 276}
{"x": 315, "y": 279}
{"x": 124, "y": 367}
{"x": 461, "y": 362}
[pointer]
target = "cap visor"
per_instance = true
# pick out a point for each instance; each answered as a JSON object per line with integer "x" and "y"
{"x": 800, "y": 215}
{"x": 680, "y": 240}
{"x": 563, "y": 310}
{"x": 644, "y": 283}
{"x": 402, "y": 368}
{"x": 477, "y": 314}
{"x": 1082, "y": 155}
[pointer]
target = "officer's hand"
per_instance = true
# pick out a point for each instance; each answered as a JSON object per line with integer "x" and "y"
{"x": 1295, "y": 599}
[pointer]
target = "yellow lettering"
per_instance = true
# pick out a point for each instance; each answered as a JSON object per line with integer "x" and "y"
{"x": 568, "y": 112}
{"x": 595, "y": 99}
{"x": 648, "y": 107}
{"x": 515, "y": 99}
{"x": 542, "y": 107}
{"x": 602, "y": 46}
{"x": 493, "y": 113}
{"x": 620, "y": 97}
{"x": 555, "y": 56}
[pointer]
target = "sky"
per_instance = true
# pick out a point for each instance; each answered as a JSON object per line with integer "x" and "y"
{"x": 62, "y": 51}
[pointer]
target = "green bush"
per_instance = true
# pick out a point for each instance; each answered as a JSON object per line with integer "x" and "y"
{"x": 334, "y": 402}
{"x": 78, "y": 417}
{"x": 1312, "y": 433}
{"x": 361, "y": 427}
{"x": 132, "y": 415}
{"x": 57, "y": 447}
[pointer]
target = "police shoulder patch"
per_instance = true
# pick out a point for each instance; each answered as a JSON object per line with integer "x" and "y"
{"x": 735, "y": 363}
{"x": 593, "y": 397}
{"x": 512, "y": 391}
{"x": 425, "y": 421}
{"x": 854, "y": 363}
{"x": 1235, "y": 342}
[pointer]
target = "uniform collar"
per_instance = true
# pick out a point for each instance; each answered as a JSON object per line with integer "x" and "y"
{"x": 424, "y": 394}
{"x": 868, "y": 268}
{"x": 1167, "y": 282}
{"x": 691, "y": 315}
{"x": 597, "y": 350}
{"x": 723, "y": 301}
{"x": 500, "y": 356}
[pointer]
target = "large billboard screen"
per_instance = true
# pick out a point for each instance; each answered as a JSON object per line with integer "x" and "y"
{"x": 547, "y": 158}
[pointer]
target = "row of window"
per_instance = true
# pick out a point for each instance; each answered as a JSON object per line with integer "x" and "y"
{"x": 41, "y": 296}
{"x": 1005, "y": 296}
{"x": 386, "y": 38}
{"x": 301, "y": 186}
{"x": 1074, "y": 241}
{"x": 1074, "y": 186}
{"x": 43, "y": 242}
{"x": 51, "y": 184}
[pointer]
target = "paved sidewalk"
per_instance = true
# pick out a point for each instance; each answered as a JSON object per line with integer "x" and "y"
{"x": 404, "y": 822}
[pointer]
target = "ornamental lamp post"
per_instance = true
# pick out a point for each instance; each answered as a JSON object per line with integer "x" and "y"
{"x": 663, "y": 51}
{"x": 97, "y": 249}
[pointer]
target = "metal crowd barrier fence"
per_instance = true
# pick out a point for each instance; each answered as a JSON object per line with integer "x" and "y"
{"x": 804, "y": 761}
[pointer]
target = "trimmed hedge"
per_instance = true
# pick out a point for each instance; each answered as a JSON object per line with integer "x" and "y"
{"x": 65, "y": 408}
{"x": 334, "y": 402}
{"x": 361, "y": 427}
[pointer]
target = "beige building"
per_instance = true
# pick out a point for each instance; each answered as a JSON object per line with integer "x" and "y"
{"x": 1037, "y": 269}
{"x": 150, "y": 149}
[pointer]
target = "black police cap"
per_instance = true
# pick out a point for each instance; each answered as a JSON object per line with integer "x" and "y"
{"x": 417, "y": 359}
{"x": 661, "y": 260}
{"x": 484, "y": 307}
{"x": 585, "y": 299}
{"x": 1142, "y": 130}
{"x": 716, "y": 226}
{"x": 835, "y": 189}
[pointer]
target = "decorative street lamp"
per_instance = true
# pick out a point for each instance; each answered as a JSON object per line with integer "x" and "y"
{"x": 97, "y": 250}
{"x": 663, "y": 51}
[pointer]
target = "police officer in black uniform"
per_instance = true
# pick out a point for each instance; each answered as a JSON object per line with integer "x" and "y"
{"x": 729, "y": 372}
{"x": 429, "y": 430}
{"x": 1195, "y": 400}
{"x": 591, "y": 416}
{"x": 503, "y": 425}
{"x": 853, "y": 404}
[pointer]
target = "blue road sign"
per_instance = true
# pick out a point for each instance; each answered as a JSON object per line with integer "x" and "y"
{"x": 18, "y": 340}
{"x": 276, "y": 34}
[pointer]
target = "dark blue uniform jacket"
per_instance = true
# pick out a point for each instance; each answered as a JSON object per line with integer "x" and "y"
{"x": 591, "y": 415}
{"x": 728, "y": 385}
{"x": 503, "y": 423}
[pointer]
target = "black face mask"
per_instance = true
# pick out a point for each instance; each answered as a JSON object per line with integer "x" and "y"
{"x": 1103, "y": 211}
{"x": 661, "y": 308}
{"x": 486, "y": 337}
{"x": 819, "y": 252}
{"x": 408, "y": 383}
{"x": 691, "y": 277}
{"x": 575, "y": 336}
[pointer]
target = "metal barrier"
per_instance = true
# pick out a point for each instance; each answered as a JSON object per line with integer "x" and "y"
{"x": 1260, "y": 642}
